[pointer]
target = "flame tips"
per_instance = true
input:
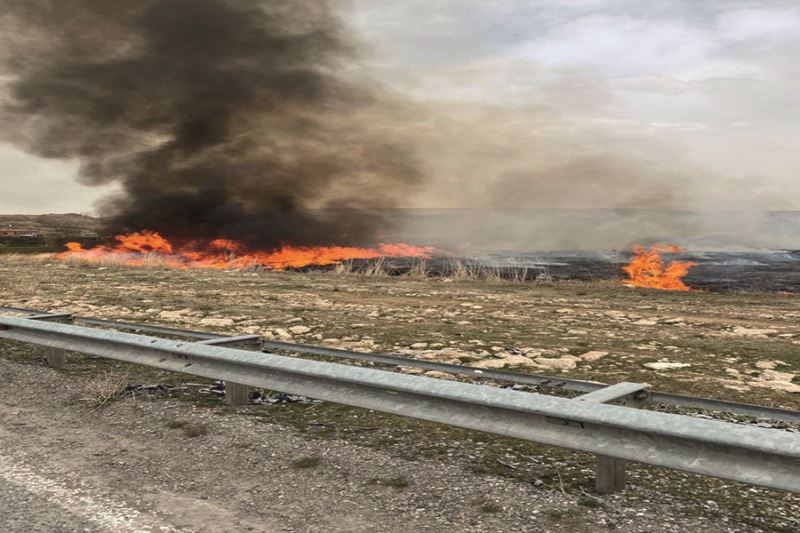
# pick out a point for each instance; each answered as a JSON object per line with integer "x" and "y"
{"x": 138, "y": 249}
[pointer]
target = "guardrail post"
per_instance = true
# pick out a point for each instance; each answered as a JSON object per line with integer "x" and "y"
{"x": 236, "y": 393}
{"x": 610, "y": 470}
{"x": 55, "y": 357}
{"x": 610, "y": 474}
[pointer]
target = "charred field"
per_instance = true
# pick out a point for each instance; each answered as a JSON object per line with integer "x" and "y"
{"x": 714, "y": 271}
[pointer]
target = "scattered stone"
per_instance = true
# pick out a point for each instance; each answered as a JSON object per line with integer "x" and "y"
{"x": 490, "y": 363}
{"x": 518, "y": 360}
{"x": 299, "y": 330}
{"x": 594, "y": 355}
{"x": 665, "y": 365}
{"x": 173, "y": 315}
{"x": 411, "y": 370}
{"x": 753, "y": 332}
{"x": 216, "y": 322}
{"x": 646, "y": 322}
{"x": 419, "y": 346}
{"x": 769, "y": 365}
{"x": 282, "y": 333}
{"x": 562, "y": 363}
{"x": 439, "y": 375}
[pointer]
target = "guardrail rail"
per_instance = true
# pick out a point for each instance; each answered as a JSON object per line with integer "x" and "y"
{"x": 605, "y": 421}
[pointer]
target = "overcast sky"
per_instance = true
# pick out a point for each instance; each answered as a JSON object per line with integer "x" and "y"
{"x": 616, "y": 103}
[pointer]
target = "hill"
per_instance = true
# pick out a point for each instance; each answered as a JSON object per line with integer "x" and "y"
{"x": 55, "y": 227}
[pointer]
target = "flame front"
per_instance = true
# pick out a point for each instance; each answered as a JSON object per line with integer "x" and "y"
{"x": 647, "y": 269}
{"x": 147, "y": 247}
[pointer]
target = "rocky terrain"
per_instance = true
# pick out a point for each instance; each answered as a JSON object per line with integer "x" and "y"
{"x": 740, "y": 347}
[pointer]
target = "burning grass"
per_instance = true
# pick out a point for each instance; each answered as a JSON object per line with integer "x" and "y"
{"x": 146, "y": 247}
{"x": 648, "y": 270}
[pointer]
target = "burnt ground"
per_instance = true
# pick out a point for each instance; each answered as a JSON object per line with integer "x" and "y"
{"x": 373, "y": 468}
{"x": 716, "y": 271}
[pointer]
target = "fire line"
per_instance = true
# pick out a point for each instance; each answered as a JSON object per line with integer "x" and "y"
{"x": 145, "y": 248}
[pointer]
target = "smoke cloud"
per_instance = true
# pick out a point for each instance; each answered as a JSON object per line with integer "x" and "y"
{"x": 218, "y": 118}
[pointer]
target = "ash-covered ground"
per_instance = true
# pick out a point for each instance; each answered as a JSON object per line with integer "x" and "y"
{"x": 715, "y": 271}
{"x": 734, "y": 251}
{"x": 758, "y": 271}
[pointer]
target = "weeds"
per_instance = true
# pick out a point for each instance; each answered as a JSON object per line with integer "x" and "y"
{"x": 190, "y": 429}
{"x": 490, "y": 507}
{"x": 106, "y": 388}
{"x": 308, "y": 461}
{"x": 398, "y": 482}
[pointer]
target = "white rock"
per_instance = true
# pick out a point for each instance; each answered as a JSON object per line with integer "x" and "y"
{"x": 766, "y": 365}
{"x": 772, "y": 375}
{"x": 646, "y": 322}
{"x": 778, "y": 385}
{"x": 664, "y": 365}
{"x": 594, "y": 355}
{"x": 411, "y": 370}
{"x": 490, "y": 363}
{"x": 173, "y": 314}
{"x": 439, "y": 375}
{"x": 753, "y": 332}
{"x": 518, "y": 360}
{"x": 216, "y": 322}
{"x": 282, "y": 333}
{"x": 562, "y": 363}
{"x": 299, "y": 330}
{"x": 419, "y": 345}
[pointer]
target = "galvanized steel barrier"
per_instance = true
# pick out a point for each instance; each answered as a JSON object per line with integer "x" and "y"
{"x": 754, "y": 455}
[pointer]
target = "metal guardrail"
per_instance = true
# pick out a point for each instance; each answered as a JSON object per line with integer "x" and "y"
{"x": 695, "y": 402}
{"x": 759, "y": 456}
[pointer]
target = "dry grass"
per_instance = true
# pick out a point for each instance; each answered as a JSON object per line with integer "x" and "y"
{"x": 345, "y": 267}
{"x": 469, "y": 270}
{"x": 105, "y": 388}
{"x": 14, "y": 258}
{"x": 190, "y": 429}
{"x": 419, "y": 269}
{"x": 150, "y": 261}
{"x": 375, "y": 268}
{"x": 309, "y": 461}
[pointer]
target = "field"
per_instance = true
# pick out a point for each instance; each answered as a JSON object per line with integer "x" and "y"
{"x": 740, "y": 347}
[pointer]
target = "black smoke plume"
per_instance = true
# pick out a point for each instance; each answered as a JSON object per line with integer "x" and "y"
{"x": 219, "y": 118}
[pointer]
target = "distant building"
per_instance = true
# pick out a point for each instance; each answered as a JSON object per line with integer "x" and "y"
{"x": 17, "y": 232}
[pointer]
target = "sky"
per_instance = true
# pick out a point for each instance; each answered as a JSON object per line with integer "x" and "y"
{"x": 608, "y": 104}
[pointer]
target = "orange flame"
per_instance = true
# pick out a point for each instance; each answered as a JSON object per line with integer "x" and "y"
{"x": 647, "y": 269}
{"x": 141, "y": 248}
